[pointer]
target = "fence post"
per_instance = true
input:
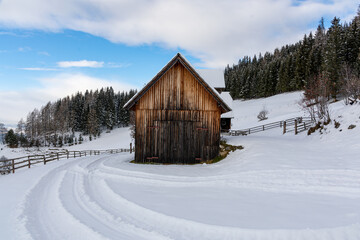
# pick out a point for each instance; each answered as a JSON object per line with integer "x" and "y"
{"x": 296, "y": 127}
{"x": 284, "y": 131}
{"x": 13, "y": 165}
{"x": 44, "y": 159}
{"x": 280, "y": 123}
{"x": 57, "y": 155}
{"x": 67, "y": 154}
{"x": 74, "y": 154}
{"x": 263, "y": 127}
{"x": 249, "y": 130}
{"x": 130, "y": 148}
{"x": 29, "y": 161}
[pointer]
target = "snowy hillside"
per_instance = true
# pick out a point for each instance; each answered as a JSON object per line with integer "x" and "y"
{"x": 278, "y": 187}
{"x": 280, "y": 107}
{"x": 107, "y": 140}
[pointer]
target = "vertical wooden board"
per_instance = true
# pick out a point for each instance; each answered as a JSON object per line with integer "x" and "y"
{"x": 177, "y": 87}
{"x": 177, "y": 102}
{"x": 181, "y": 88}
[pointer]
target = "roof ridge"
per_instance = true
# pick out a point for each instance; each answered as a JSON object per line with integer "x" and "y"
{"x": 178, "y": 57}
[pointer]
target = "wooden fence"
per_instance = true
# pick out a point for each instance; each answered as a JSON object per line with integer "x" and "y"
{"x": 296, "y": 125}
{"x": 10, "y": 165}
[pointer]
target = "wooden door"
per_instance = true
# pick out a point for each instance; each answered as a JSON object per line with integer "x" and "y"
{"x": 177, "y": 142}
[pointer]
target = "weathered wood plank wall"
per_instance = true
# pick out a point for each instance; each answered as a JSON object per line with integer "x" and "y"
{"x": 177, "y": 120}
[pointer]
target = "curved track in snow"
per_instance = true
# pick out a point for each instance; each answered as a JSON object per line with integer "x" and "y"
{"x": 105, "y": 197}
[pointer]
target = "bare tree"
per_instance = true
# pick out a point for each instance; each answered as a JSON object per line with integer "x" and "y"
{"x": 3, "y": 131}
{"x": 316, "y": 99}
{"x": 351, "y": 86}
{"x": 20, "y": 126}
{"x": 263, "y": 114}
{"x": 132, "y": 124}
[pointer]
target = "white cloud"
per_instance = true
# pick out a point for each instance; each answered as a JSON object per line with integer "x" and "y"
{"x": 82, "y": 63}
{"x": 17, "y": 104}
{"x": 217, "y": 32}
{"x": 38, "y": 69}
{"x": 44, "y": 53}
{"x": 8, "y": 33}
{"x": 118, "y": 65}
{"x": 24, "y": 49}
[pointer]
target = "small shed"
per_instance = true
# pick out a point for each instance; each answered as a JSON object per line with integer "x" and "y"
{"x": 177, "y": 116}
{"x": 213, "y": 77}
{"x": 226, "y": 117}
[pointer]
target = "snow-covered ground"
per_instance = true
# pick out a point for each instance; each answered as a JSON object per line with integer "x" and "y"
{"x": 280, "y": 107}
{"x": 117, "y": 138}
{"x": 278, "y": 187}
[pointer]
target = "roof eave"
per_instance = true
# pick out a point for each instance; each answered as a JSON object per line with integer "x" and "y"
{"x": 178, "y": 58}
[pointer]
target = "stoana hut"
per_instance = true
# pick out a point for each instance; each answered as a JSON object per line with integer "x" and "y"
{"x": 177, "y": 116}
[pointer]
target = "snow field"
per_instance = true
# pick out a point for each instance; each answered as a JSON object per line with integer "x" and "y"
{"x": 95, "y": 198}
{"x": 278, "y": 187}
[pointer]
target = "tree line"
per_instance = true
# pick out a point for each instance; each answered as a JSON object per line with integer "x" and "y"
{"x": 332, "y": 53}
{"x": 87, "y": 113}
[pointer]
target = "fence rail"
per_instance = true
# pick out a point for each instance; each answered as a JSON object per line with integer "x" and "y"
{"x": 10, "y": 165}
{"x": 297, "y": 124}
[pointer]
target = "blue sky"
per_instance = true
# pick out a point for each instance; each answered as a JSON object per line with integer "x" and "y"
{"x": 50, "y": 49}
{"x": 26, "y": 56}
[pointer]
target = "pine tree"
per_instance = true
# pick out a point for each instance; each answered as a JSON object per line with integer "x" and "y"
{"x": 334, "y": 56}
{"x": 11, "y": 139}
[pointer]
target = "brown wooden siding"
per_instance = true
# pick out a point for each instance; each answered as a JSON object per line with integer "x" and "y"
{"x": 177, "y": 120}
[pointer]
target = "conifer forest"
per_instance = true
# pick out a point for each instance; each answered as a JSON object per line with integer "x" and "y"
{"x": 89, "y": 113}
{"x": 331, "y": 53}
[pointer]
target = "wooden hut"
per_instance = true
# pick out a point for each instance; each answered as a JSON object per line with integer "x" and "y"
{"x": 177, "y": 116}
{"x": 226, "y": 117}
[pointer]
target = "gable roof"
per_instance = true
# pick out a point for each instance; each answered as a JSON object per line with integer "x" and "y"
{"x": 214, "y": 77}
{"x": 178, "y": 58}
{"x": 228, "y": 99}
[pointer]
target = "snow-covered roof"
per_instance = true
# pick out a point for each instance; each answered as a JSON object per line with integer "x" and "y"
{"x": 214, "y": 77}
{"x": 180, "y": 57}
{"x": 226, "y": 97}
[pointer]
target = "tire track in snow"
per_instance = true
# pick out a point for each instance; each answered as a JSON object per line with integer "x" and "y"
{"x": 58, "y": 208}
{"x": 343, "y": 183}
{"x": 44, "y": 215}
{"x": 178, "y": 228}
{"x": 79, "y": 203}
{"x": 75, "y": 201}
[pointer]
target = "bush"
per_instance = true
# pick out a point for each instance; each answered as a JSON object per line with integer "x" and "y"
{"x": 5, "y": 167}
{"x": 263, "y": 114}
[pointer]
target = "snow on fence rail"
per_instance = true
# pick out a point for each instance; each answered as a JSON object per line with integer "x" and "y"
{"x": 10, "y": 165}
{"x": 297, "y": 124}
